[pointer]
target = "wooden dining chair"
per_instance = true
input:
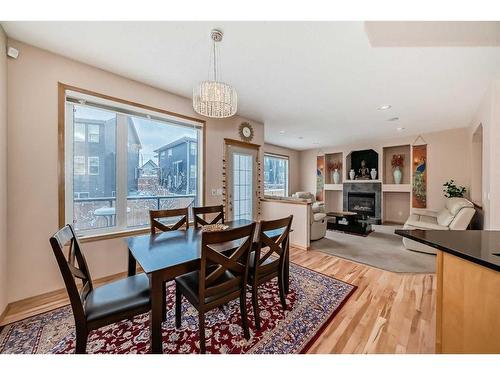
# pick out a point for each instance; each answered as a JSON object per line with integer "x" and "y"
{"x": 219, "y": 210}
{"x": 155, "y": 224}
{"x": 96, "y": 307}
{"x": 220, "y": 279}
{"x": 269, "y": 259}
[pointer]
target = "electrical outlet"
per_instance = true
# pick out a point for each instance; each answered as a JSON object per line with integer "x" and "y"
{"x": 219, "y": 191}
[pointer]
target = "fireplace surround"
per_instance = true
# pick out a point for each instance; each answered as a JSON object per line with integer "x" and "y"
{"x": 364, "y": 198}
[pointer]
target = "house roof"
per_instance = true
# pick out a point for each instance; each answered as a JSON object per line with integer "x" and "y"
{"x": 150, "y": 163}
{"x": 175, "y": 143}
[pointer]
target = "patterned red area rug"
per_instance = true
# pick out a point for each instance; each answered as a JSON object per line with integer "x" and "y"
{"x": 313, "y": 301}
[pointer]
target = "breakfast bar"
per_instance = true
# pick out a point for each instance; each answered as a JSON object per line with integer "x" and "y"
{"x": 468, "y": 289}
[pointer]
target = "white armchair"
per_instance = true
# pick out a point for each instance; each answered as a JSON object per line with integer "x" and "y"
{"x": 318, "y": 215}
{"x": 456, "y": 215}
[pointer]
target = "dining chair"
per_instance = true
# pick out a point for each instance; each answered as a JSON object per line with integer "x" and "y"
{"x": 219, "y": 210}
{"x": 96, "y": 307}
{"x": 220, "y": 278}
{"x": 155, "y": 224}
{"x": 269, "y": 260}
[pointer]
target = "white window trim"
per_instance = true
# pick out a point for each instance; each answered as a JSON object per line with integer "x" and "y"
{"x": 89, "y": 165}
{"x": 121, "y": 161}
{"x": 89, "y": 126}
{"x": 84, "y": 165}
{"x": 283, "y": 157}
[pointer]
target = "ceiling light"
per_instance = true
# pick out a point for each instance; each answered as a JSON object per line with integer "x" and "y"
{"x": 315, "y": 143}
{"x": 400, "y": 129}
{"x": 214, "y": 98}
{"x": 384, "y": 107}
{"x": 301, "y": 137}
{"x": 393, "y": 119}
{"x": 282, "y": 132}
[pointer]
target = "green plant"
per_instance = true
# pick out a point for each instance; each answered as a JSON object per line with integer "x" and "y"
{"x": 451, "y": 190}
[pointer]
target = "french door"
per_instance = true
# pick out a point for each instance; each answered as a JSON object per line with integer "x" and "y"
{"x": 241, "y": 182}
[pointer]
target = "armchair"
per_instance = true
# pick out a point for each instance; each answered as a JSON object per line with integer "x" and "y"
{"x": 456, "y": 215}
{"x": 318, "y": 215}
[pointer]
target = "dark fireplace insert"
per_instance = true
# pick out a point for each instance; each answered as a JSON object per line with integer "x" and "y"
{"x": 361, "y": 203}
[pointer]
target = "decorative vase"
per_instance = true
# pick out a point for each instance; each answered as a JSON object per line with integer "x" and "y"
{"x": 373, "y": 173}
{"x": 336, "y": 176}
{"x": 352, "y": 174}
{"x": 397, "y": 175}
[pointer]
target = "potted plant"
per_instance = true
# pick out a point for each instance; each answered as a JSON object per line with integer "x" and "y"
{"x": 397, "y": 163}
{"x": 334, "y": 168}
{"x": 451, "y": 190}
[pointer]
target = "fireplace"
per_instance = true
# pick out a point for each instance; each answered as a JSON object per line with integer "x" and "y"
{"x": 362, "y": 203}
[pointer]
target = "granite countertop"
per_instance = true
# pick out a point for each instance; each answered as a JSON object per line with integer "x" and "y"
{"x": 478, "y": 246}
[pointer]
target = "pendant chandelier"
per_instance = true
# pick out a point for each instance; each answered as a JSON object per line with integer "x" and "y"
{"x": 214, "y": 98}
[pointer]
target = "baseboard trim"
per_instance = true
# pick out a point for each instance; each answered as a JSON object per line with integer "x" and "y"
{"x": 42, "y": 303}
{"x": 300, "y": 247}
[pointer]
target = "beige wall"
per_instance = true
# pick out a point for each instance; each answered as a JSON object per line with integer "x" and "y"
{"x": 3, "y": 171}
{"x": 447, "y": 153}
{"x": 488, "y": 115}
{"x": 293, "y": 165}
{"x": 32, "y": 175}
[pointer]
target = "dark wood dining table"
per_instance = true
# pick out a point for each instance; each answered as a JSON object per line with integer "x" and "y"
{"x": 166, "y": 255}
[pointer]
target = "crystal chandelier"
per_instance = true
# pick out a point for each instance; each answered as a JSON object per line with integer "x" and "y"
{"x": 214, "y": 98}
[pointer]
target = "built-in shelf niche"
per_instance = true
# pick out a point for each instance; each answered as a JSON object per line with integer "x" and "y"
{"x": 388, "y": 178}
{"x": 353, "y": 161}
{"x": 330, "y": 159}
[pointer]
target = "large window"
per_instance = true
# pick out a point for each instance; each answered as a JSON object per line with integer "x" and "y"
{"x": 115, "y": 164}
{"x": 275, "y": 175}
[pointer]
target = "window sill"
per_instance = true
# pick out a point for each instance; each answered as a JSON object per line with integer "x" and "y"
{"x": 109, "y": 236}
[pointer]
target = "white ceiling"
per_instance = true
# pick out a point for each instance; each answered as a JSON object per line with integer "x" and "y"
{"x": 318, "y": 80}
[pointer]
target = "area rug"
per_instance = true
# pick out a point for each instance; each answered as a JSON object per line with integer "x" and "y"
{"x": 382, "y": 249}
{"x": 313, "y": 301}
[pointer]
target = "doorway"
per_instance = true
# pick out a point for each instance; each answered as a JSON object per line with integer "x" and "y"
{"x": 241, "y": 161}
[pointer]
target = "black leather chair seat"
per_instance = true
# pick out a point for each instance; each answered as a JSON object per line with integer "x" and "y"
{"x": 116, "y": 297}
{"x": 189, "y": 284}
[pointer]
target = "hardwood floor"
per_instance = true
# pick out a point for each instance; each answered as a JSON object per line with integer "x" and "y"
{"x": 388, "y": 313}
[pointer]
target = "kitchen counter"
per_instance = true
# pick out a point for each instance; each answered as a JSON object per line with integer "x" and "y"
{"x": 477, "y": 246}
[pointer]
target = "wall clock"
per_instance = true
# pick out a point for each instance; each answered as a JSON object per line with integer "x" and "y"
{"x": 246, "y": 131}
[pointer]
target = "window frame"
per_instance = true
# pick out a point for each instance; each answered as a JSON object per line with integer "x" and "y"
{"x": 93, "y": 158}
{"x": 65, "y": 159}
{"x": 277, "y": 156}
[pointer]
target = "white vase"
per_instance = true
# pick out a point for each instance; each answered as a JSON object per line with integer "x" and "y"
{"x": 352, "y": 174}
{"x": 373, "y": 173}
{"x": 336, "y": 176}
{"x": 397, "y": 175}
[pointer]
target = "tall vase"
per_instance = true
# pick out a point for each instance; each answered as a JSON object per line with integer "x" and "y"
{"x": 397, "y": 175}
{"x": 336, "y": 176}
{"x": 373, "y": 173}
{"x": 352, "y": 174}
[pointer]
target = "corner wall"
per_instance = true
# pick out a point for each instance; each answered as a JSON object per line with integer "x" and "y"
{"x": 33, "y": 178}
{"x": 3, "y": 171}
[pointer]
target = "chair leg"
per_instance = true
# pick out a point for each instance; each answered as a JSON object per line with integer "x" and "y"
{"x": 178, "y": 307}
{"x": 201, "y": 319}
{"x": 81, "y": 342}
{"x": 281, "y": 285}
{"x": 164, "y": 301}
{"x": 255, "y": 303}
{"x": 244, "y": 317}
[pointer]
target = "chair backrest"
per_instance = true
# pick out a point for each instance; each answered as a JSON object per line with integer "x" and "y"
{"x": 219, "y": 210}
{"x": 214, "y": 263}
{"x": 272, "y": 239}
{"x": 71, "y": 270}
{"x": 154, "y": 215}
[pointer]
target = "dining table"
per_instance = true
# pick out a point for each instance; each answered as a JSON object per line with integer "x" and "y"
{"x": 166, "y": 255}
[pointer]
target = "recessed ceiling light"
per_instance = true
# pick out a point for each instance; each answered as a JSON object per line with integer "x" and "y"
{"x": 301, "y": 137}
{"x": 400, "y": 129}
{"x": 384, "y": 107}
{"x": 315, "y": 143}
{"x": 393, "y": 119}
{"x": 282, "y": 132}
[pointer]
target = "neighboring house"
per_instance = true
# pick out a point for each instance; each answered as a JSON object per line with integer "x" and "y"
{"x": 95, "y": 154}
{"x": 178, "y": 165}
{"x": 148, "y": 179}
{"x": 149, "y": 169}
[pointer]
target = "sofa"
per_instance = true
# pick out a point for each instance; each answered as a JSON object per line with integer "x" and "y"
{"x": 318, "y": 215}
{"x": 456, "y": 215}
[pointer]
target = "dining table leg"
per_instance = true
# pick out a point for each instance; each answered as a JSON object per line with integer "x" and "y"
{"x": 132, "y": 264}
{"x": 156, "y": 316}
